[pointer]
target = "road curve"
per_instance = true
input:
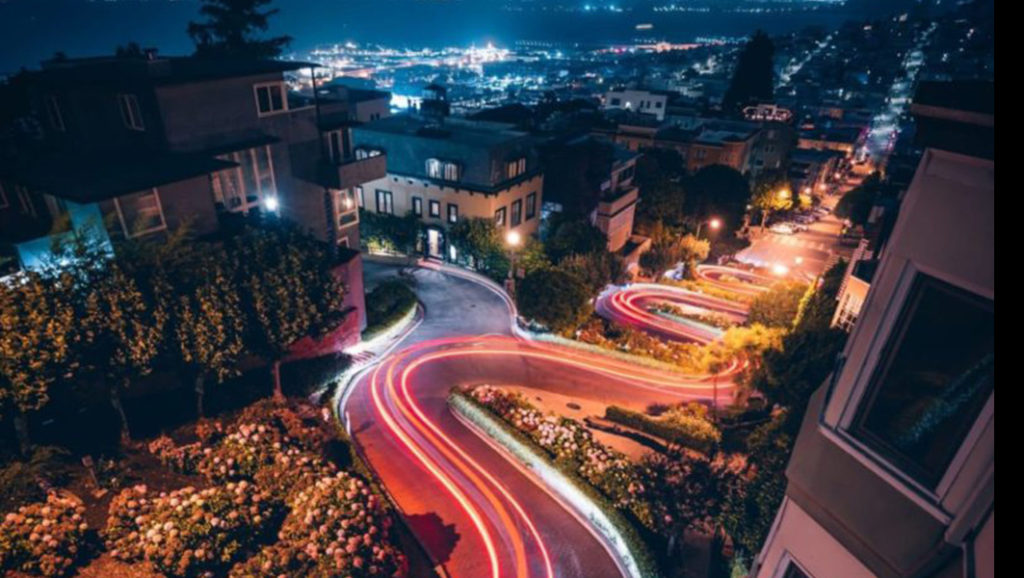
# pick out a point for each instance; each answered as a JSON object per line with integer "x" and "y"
{"x": 631, "y": 305}
{"x": 475, "y": 511}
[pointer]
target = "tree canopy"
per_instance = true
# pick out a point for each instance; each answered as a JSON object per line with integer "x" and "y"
{"x": 718, "y": 191}
{"x": 856, "y": 204}
{"x": 753, "y": 78}
{"x": 555, "y": 298}
{"x": 232, "y": 30}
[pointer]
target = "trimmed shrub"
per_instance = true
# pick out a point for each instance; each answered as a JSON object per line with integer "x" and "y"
{"x": 686, "y": 427}
{"x": 43, "y": 538}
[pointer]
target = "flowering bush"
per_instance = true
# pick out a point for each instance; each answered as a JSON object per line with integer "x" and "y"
{"x": 190, "y": 532}
{"x": 336, "y": 527}
{"x": 43, "y": 538}
{"x": 567, "y": 441}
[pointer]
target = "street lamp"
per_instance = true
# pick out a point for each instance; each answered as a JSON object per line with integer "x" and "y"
{"x": 780, "y": 269}
{"x": 272, "y": 204}
{"x": 714, "y": 222}
{"x": 512, "y": 239}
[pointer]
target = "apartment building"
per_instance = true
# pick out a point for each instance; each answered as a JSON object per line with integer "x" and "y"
{"x": 141, "y": 145}
{"x": 444, "y": 169}
{"x": 892, "y": 473}
{"x": 647, "y": 102}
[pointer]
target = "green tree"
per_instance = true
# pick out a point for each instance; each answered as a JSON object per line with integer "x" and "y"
{"x": 532, "y": 256}
{"x": 778, "y": 307}
{"x": 479, "y": 242}
{"x": 595, "y": 270}
{"x": 208, "y": 324}
{"x": 772, "y": 192}
{"x": 121, "y": 331}
{"x": 575, "y": 237}
{"x": 660, "y": 174}
{"x": 750, "y": 508}
{"x": 684, "y": 490}
{"x": 752, "y": 79}
{"x": 856, "y": 204}
{"x": 555, "y": 298}
{"x": 37, "y": 324}
{"x": 287, "y": 291}
{"x": 666, "y": 251}
{"x": 718, "y": 191}
{"x": 232, "y": 29}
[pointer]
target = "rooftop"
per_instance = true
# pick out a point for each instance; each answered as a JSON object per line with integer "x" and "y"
{"x": 155, "y": 70}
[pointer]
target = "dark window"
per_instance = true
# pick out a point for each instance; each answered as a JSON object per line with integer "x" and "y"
{"x": 616, "y": 102}
{"x": 130, "y": 112}
{"x": 499, "y": 217}
{"x": 933, "y": 378}
{"x": 794, "y": 571}
{"x": 517, "y": 212}
{"x": 270, "y": 98}
{"x": 417, "y": 206}
{"x": 531, "y": 206}
{"x": 385, "y": 202}
{"x": 54, "y": 113}
{"x": 435, "y": 208}
{"x": 453, "y": 213}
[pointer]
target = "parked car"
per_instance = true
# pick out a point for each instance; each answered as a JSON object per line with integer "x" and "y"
{"x": 783, "y": 229}
{"x": 806, "y": 218}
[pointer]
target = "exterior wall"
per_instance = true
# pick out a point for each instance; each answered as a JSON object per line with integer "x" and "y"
{"x": 615, "y": 219}
{"x": 471, "y": 204}
{"x": 185, "y": 203}
{"x": 208, "y": 114}
{"x": 797, "y": 538}
{"x": 370, "y": 110}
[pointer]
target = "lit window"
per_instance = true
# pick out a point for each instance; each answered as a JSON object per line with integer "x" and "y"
{"x": 499, "y": 217}
{"x": 417, "y": 206}
{"x": 131, "y": 115}
{"x": 365, "y": 153}
{"x": 933, "y": 379}
{"x": 270, "y": 98}
{"x": 453, "y": 213}
{"x": 451, "y": 172}
{"x": 435, "y": 209}
{"x": 435, "y": 169}
{"x": 515, "y": 168}
{"x": 385, "y": 202}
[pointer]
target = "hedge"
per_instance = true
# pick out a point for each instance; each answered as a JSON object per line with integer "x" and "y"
{"x": 388, "y": 303}
{"x": 702, "y": 441}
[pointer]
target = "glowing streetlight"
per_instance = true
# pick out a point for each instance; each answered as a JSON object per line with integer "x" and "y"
{"x": 780, "y": 269}
{"x": 513, "y": 238}
{"x": 799, "y": 260}
{"x": 714, "y": 222}
{"x": 271, "y": 203}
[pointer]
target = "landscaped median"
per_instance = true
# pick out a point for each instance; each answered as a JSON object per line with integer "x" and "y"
{"x": 564, "y": 455}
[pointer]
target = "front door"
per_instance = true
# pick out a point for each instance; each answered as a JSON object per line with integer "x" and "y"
{"x": 434, "y": 244}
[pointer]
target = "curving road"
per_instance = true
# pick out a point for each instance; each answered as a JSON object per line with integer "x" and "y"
{"x": 630, "y": 305}
{"x": 476, "y": 512}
